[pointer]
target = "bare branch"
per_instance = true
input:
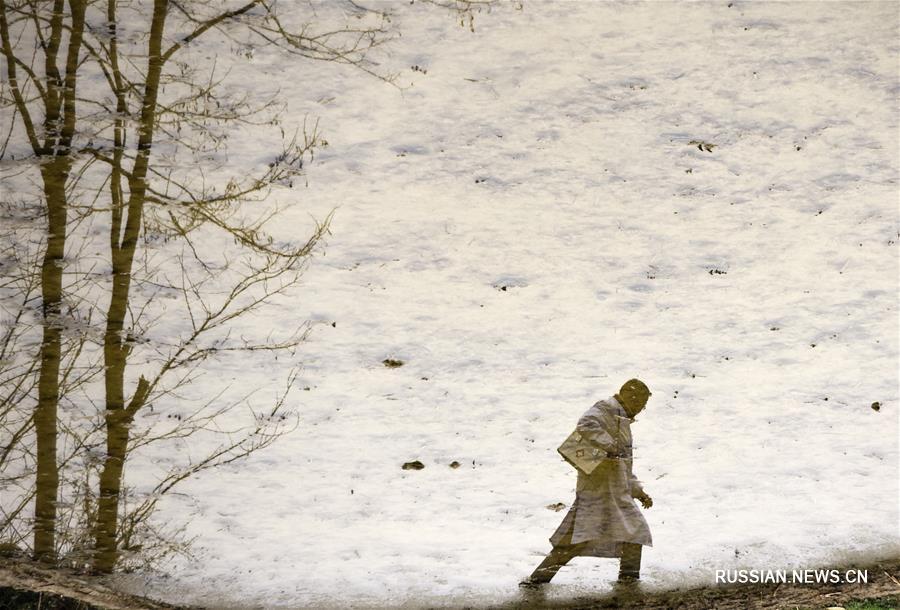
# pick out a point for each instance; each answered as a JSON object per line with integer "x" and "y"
{"x": 208, "y": 24}
{"x": 11, "y": 63}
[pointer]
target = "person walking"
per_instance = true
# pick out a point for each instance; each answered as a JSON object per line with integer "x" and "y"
{"x": 604, "y": 520}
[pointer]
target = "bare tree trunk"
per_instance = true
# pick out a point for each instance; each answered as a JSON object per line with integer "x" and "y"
{"x": 47, "y": 478}
{"x": 115, "y": 345}
{"x": 59, "y": 123}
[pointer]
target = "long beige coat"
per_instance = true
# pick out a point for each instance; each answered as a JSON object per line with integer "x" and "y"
{"x": 605, "y": 514}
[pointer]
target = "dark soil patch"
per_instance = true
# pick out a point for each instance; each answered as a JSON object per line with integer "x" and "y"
{"x": 17, "y": 599}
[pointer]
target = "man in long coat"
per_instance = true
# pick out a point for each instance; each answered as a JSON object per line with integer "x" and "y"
{"x": 604, "y": 520}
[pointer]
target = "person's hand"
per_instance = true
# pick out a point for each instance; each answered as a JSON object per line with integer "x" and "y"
{"x": 645, "y": 500}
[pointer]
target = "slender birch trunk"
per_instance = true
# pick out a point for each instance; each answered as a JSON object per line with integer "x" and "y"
{"x": 45, "y": 415}
{"x": 115, "y": 347}
{"x": 55, "y": 155}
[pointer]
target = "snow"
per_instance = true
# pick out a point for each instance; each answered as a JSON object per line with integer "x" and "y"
{"x": 527, "y": 226}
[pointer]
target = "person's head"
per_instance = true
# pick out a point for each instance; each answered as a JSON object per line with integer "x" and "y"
{"x": 634, "y": 395}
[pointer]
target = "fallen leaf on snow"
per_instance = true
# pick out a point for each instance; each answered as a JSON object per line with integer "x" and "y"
{"x": 704, "y": 146}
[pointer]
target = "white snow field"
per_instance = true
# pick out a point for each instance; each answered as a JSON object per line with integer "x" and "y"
{"x": 530, "y": 224}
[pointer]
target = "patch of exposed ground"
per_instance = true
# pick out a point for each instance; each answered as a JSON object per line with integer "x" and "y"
{"x": 26, "y": 585}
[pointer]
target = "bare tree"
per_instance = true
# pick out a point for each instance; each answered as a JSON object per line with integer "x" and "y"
{"x": 20, "y": 360}
{"x": 50, "y": 136}
{"x": 137, "y": 154}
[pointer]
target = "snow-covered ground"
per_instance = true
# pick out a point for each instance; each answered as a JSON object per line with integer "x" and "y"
{"x": 530, "y": 224}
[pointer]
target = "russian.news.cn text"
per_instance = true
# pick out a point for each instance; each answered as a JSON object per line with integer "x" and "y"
{"x": 796, "y": 577}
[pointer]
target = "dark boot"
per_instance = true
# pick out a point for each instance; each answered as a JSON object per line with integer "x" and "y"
{"x": 630, "y": 564}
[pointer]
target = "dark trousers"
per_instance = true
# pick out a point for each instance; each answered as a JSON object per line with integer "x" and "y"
{"x": 629, "y": 562}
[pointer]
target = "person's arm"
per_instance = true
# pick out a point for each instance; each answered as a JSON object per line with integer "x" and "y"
{"x": 638, "y": 493}
{"x": 598, "y": 428}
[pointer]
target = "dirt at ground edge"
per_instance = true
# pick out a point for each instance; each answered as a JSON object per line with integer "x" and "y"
{"x": 25, "y": 584}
